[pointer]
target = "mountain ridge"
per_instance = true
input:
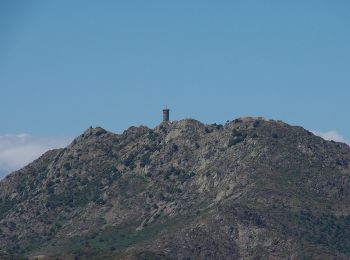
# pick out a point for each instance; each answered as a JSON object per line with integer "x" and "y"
{"x": 252, "y": 188}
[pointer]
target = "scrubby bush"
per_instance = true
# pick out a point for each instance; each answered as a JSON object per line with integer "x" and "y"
{"x": 130, "y": 161}
{"x": 256, "y": 123}
{"x": 100, "y": 132}
{"x": 145, "y": 160}
{"x": 236, "y": 138}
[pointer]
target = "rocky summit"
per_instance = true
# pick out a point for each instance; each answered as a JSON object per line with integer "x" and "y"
{"x": 249, "y": 189}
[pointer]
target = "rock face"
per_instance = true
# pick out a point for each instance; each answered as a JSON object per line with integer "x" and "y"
{"x": 249, "y": 189}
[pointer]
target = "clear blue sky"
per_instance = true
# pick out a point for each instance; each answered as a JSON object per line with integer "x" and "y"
{"x": 66, "y": 65}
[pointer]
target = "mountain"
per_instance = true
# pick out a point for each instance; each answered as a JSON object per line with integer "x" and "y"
{"x": 249, "y": 189}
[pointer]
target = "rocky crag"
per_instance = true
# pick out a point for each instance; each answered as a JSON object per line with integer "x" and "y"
{"x": 249, "y": 189}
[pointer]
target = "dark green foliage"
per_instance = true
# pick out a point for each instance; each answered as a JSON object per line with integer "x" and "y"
{"x": 89, "y": 191}
{"x": 67, "y": 166}
{"x": 208, "y": 130}
{"x": 174, "y": 148}
{"x": 11, "y": 225}
{"x": 145, "y": 160}
{"x": 152, "y": 136}
{"x": 130, "y": 161}
{"x": 117, "y": 239}
{"x": 5, "y": 205}
{"x": 186, "y": 176}
{"x": 50, "y": 190}
{"x": 342, "y": 162}
{"x": 175, "y": 171}
{"x": 256, "y": 123}
{"x": 236, "y": 137}
{"x": 324, "y": 229}
{"x": 217, "y": 126}
{"x": 274, "y": 135}
{"x": 100, "y": 132}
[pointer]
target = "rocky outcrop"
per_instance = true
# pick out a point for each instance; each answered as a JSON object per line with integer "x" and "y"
{"x": 249, "y": 189}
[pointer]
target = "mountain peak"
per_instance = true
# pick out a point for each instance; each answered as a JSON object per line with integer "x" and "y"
{"x": 182, "y": 189}
{"x": 97, "y": 131}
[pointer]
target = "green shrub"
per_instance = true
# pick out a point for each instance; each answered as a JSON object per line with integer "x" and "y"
{"x": 130, "y": 161}
{"x": 256, "y": 123}
{"x": 67, "y": 166}
{"x": 145, "y": 160}
{"x": 100, "y": 132}
{"x": 236, "y": 138}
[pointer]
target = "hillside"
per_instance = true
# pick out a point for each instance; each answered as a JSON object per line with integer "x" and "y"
{"x": 249, "y": 189}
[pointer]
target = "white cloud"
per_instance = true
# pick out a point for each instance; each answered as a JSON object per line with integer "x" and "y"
{"x": 332, "y": 135}
{"x": 17, "y": 151}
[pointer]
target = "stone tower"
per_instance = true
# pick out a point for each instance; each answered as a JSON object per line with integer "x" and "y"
{"x": 166, "y": 111}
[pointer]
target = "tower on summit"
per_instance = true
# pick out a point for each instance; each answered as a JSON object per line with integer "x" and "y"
{"x": 166, "y": 111}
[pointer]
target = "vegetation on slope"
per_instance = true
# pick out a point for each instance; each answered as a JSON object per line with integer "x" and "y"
{"x": 251, "y": 188}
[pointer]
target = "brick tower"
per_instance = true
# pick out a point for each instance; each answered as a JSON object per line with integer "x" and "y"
{"x": 166, "y": 111}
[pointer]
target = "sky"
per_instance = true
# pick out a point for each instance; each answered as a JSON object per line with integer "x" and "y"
{"x": 67, "y": 65}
